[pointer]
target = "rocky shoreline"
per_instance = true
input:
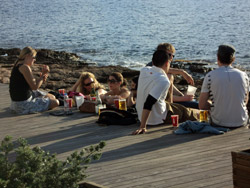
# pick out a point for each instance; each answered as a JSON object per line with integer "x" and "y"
{"x": 66, "y": 68}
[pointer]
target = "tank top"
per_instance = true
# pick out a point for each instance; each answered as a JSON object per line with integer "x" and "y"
{"x": 19, "y": 88}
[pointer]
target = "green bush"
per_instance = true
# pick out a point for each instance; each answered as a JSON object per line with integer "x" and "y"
{"x": 35, "y": 168}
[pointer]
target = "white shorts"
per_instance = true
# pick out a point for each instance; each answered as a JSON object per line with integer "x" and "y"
{"x": 36, "y": 103}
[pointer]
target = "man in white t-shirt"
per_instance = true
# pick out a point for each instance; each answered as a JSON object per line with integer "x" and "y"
{"x": 225, "y": 91}
{"x": 152, "y": 90}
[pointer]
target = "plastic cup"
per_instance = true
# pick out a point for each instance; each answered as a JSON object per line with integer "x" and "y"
{"x": 79, "y": 101}
{"x": 122, "y": 104}
{"x": 61, "y": 91}
{"x": 191, "y": 90}
{"x": 69, "y": 101}
{"x": 203, "y": 115}
{"x": 100, "y": 108}
{"x": 175, "y": 120}
{"x": 116, "y": 102}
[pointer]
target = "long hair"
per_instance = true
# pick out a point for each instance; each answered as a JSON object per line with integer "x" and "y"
{"x": 25, "y": 51}
{"x": 83, "y": 77}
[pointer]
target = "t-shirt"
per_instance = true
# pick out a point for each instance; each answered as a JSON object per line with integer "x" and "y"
{"x": 153, "y": 81}
{"x": 227, "y": 88}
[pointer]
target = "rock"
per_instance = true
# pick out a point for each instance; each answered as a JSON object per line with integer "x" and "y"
{"x": 5, "y": 80}
{"x": 66, "y": 68}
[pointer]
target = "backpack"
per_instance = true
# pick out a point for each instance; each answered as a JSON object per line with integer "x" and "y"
{"x": 113, "y": 116}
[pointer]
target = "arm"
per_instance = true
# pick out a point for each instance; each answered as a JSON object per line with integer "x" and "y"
{"x": 143, "y": 125}
{"x": 182, "y": 72}
{"x": 183, "y": 98}
{"x": 203, "y": 101}
{"x": 28, "y": 75}
{"x": 131, "y": 99}
{"x": 150, "y": 101}
{"x": 75, "y": 86}
{"x": 176, "y": 91}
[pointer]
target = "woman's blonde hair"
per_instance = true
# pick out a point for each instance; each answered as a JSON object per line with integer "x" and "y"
{"x": 83, "y": 77}
{"x": 26, "y": 51}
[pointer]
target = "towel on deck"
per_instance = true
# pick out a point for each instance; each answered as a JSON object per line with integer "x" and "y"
{"x": 199, "y": 127}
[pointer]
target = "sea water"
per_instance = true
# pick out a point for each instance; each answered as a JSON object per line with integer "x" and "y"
{"x": 122, "y": 32}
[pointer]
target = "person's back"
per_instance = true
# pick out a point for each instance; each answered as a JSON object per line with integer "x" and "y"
{"x": 227, "y": 88}
{"x": 228, "y": 91}
{"x": 152, "y": 80}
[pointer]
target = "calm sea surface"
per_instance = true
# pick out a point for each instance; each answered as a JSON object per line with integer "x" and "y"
{"x": 126, "y": 32}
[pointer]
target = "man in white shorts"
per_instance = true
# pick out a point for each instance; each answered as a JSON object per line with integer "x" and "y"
{"x": 225, "y": 91}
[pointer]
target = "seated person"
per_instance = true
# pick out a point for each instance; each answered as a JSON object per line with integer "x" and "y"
{"x": 225, "y": 92}
{"x": 23, "y": 88}
{"x": 184, "y": 99}
{"x": 153, "y": 86}
{"x": 131, "y": 100}
{"x": 117, "y": 89}
{"x": 86, "y": 83}
{"x": 174, "y": 94}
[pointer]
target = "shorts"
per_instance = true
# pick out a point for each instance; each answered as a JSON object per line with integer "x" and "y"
{"x": 183, "y": 112}
{"x": 38, "y": 102}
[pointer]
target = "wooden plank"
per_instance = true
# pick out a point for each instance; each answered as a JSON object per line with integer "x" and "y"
{"x": 158, "y": 159}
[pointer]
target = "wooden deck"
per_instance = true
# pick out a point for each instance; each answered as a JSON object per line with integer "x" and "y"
{"x": 157, "y": 159}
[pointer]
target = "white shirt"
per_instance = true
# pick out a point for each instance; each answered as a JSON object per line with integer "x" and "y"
{"x": 227, "y": 88}
{"x": 153, "y": 81}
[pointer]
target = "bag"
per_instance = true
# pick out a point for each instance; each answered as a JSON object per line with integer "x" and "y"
{"x": 71, "y": 94}
{"x": 87, "y": 107}
{"x": 113, "y": 116}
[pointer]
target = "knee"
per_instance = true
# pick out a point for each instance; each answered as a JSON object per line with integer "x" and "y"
{"x": 171, "y": 78}
{"x": 51, "y": 96}
{"x": 54, "y": 103}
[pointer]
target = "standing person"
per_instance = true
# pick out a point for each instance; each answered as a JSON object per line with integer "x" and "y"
{"x": 117, "y": 89}
{"x": 23, "y": 88}
{"x": 86, "y": 83}
{"x": 227, "y": 88}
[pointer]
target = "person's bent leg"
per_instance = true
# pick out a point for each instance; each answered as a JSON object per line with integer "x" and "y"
{"x": 51, "y": 96}
{"x": 170, "y": 90}
{"x": 53, "y": 103}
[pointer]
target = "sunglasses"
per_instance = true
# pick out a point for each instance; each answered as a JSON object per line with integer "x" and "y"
{"x": 88, "y": 84}
{"x": 112, "y": 81}
{"x": 171, "y": 55}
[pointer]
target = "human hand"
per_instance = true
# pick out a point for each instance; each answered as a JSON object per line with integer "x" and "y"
{"x": 45, "y": 69}
{"x": 188, "y": 97}
{"x": 139, "y": 131}
{"x": 188, "y": 78}
{"x": 43, "y": 77}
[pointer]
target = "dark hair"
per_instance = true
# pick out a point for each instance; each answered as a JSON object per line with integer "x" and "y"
{"x": 226, "y": 54}
{"x": 118, "y": 76}
{"x": 135, "y": 80}
{"x": 159, "y": 58}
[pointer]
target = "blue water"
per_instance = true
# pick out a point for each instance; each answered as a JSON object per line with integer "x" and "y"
{"x": 126, "y": 32}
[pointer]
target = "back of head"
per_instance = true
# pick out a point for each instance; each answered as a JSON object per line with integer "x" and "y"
{"x": 166, "y": 47}
{"x": 226, "y": 54}
{"x": 159, "y": 58}
{"x": 135, "y": 80}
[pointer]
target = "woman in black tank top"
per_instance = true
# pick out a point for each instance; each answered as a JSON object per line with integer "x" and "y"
{"x": 23, "y": 86}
